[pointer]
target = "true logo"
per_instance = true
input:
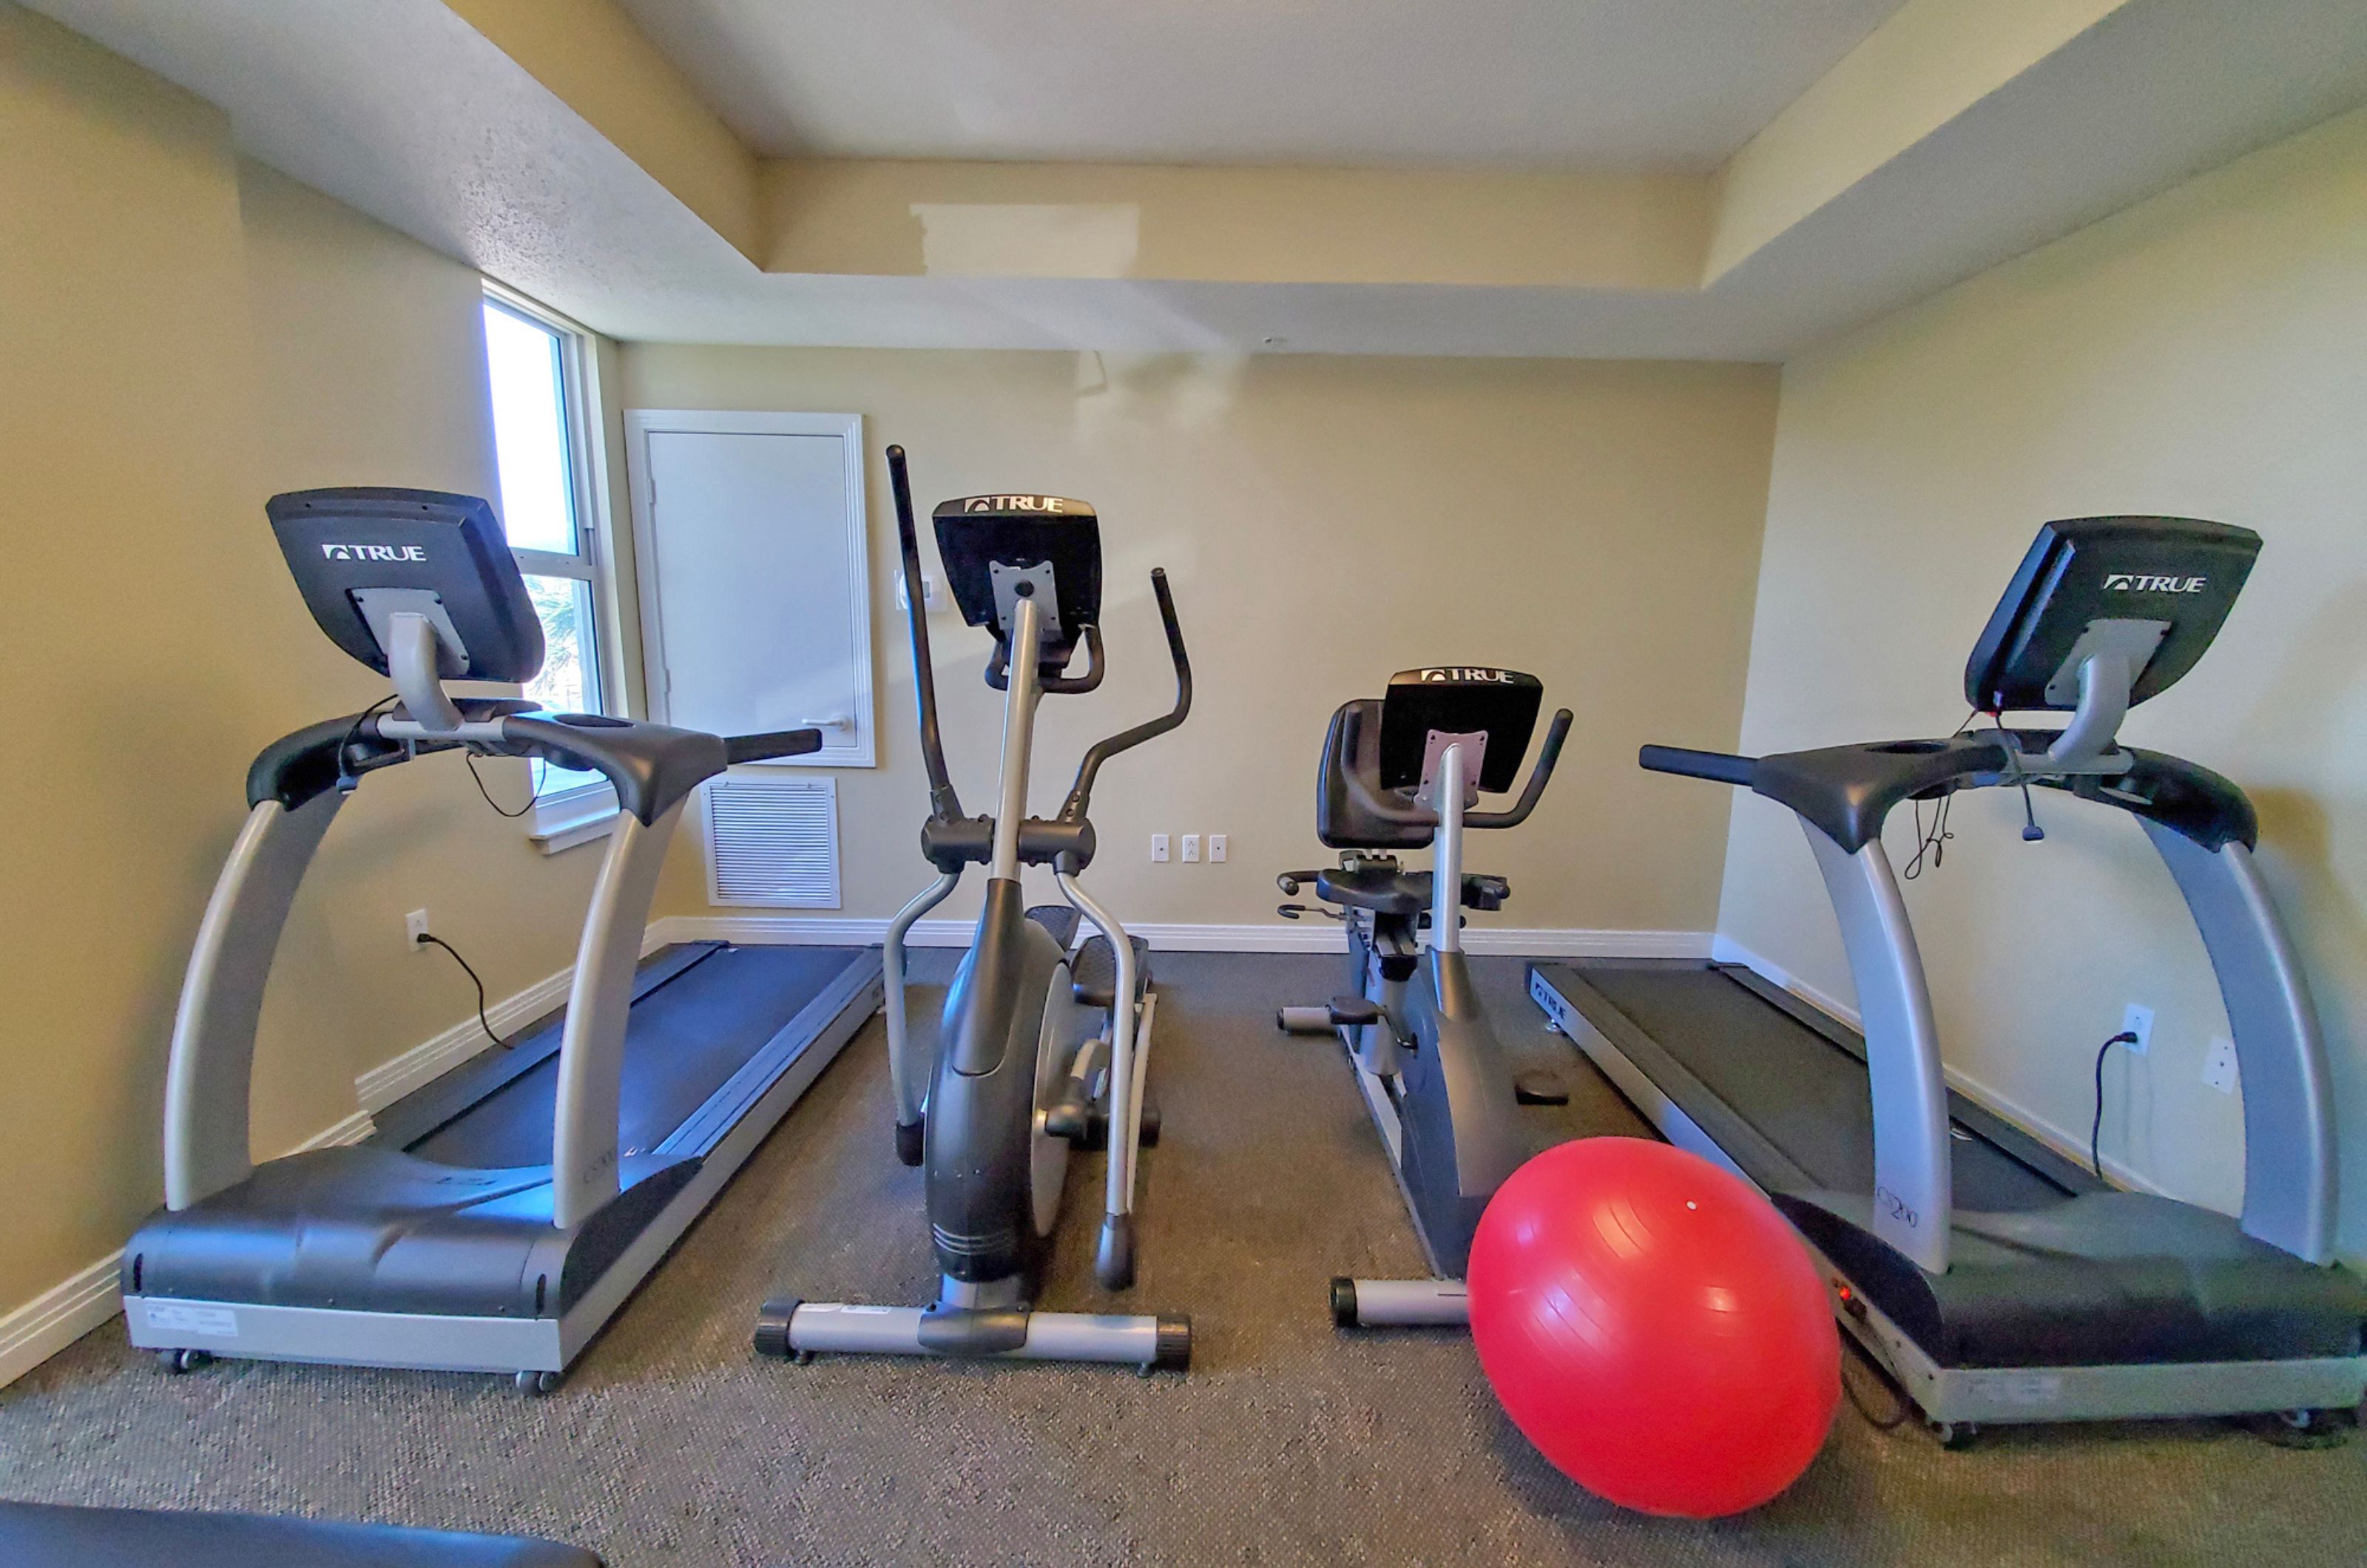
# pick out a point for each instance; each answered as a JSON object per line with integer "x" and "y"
{"x": 1015, "y": 503}
{"x": 418, "y": 553}
{"x": 1466, "y": 675}
{"x": 2140, "y": 582}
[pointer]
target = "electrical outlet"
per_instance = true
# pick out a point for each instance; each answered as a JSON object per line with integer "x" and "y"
{"x": 1216, "y": 847}
{"x": 1159, "y": 848}
{"x": 2219, "y": 1067}
{"x": 1191, "y": 849}
{"x": 933, "y": 592}
{"x": 415, "y": 928}
{"x": 2138, "y": 1021}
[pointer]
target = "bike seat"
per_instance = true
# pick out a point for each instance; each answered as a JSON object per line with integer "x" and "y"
{"x": 1388, "y": 891}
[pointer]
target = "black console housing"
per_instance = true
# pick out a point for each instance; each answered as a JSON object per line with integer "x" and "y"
{"x": 2179, "y": 572}
{"x": 343, "y": 542}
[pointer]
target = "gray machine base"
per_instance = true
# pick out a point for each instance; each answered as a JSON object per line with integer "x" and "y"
{"x": 448, "y": 1342}
{"x": 1995, "y": 1395}
{"x": 2003, "y": 1396}
{"x": 1400, "y": 1303}
{"x": 1140, "y": 1340}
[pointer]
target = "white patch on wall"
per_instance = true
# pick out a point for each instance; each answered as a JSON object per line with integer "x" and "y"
{"x": 773, "y": 841}
{"x": 1029, "y": 239}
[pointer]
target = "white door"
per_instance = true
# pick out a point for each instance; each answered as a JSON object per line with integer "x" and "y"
{"x": 755, "y": 571}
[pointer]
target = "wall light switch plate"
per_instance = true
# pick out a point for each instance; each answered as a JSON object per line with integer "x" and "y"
{"x": 1191, "y": 849}
{"x": 1216, "y": 847}
{"x": 2219, "y": 1067}
{"x": 1159, "y": 847}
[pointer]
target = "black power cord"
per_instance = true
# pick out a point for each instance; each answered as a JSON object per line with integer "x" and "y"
{"x": 465, "y": 968}
{"x": 1932, "y": 843}
{"x": 348, "y": 779}
{"x": 1900, "y": 1407}
{"x": 471, "y": 758}
{"x": 2095, "y": 1127}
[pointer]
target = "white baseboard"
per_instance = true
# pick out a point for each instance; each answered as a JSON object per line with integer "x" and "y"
{"x": 2071, "y": 1145}
{"x": 67, "y": 1310}
{"x": 63, "y": 1314}
{"x": 1316, "y": 935}
{"x": 1726, "y": 950}
{"x": 423, "y": 1064}
{"x": 57, "y": 1318}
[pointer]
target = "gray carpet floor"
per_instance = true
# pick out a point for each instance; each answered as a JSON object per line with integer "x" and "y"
{"x": 671, "y": 1444}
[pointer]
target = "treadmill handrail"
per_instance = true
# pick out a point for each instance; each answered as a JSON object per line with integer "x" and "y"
{"x": 1849, "y": 791}
{"x": 1720, "y": 767}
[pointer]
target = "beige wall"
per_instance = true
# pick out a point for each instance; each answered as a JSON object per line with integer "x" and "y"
{"x": 1325, "y": 522}
{"x": 2202, "y": 353}
{"x": 183, "y": 335}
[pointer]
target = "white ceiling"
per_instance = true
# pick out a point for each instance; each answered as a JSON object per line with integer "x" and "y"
{"x": 402, "y": 110}
{"x": 1658, "y": 84}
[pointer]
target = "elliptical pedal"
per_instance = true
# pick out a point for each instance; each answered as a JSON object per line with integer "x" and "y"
{"x": 1059, "y": 919}
{"x": 1096, "y": 968}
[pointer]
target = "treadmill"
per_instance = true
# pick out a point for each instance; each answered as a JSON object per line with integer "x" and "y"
{"x": 1995, "y": 1280}
{"x": 502, "y": 1214}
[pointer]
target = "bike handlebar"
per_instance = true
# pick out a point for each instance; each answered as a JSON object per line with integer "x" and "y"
{"x": 1405, "y": 813}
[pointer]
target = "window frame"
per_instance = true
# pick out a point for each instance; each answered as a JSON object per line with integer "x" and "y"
{"x": 585, "y": 811}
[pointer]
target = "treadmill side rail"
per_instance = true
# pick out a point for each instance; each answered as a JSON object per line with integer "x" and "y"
{"x": 212, "y": 1059}
{"x": 584, "y": 1145}
{"x": 2288, "y": 1093}
{"x": 1912, "y": 1174}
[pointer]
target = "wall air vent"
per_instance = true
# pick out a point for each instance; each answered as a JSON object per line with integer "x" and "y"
{"x": 773, "y": 841}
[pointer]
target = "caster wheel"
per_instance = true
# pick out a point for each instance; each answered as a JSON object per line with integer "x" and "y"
{"x": 533, "y": 1385}
{"x": 801, "y": 1357}
{"x": 1955, "y": 1436}
{"x": 2304, "y": 1428}
{"x": 180, "y": 1361}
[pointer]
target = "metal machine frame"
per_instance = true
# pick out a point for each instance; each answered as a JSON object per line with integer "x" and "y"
{"x": 1427, "y": 1062}
{"x": 1909, "y": 1227}
{"x": 578, "y": 1235}
{"x": 1017, "y": 1083}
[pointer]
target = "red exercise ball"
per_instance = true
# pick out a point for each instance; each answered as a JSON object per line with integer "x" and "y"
{"x": 1654, "y": 1326}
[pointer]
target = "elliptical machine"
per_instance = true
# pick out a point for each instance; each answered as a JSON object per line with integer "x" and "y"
{"x": 1023, "y": 1073}
{"x": 1402, "y": 773}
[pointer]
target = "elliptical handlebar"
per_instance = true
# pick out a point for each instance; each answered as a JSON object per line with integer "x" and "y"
{"x": 943, "y": 802}
{"x": 1088, "y": 767}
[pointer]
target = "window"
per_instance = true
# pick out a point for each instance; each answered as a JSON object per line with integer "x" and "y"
{"x": 535, "y": 365}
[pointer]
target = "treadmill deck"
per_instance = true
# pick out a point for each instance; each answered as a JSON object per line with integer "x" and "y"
{"x": 2064, "y": 1298}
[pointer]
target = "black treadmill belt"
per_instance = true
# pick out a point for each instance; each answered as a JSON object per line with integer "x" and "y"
{"x": 686, "y": 1038}
{"x": 1803, "y": 1094}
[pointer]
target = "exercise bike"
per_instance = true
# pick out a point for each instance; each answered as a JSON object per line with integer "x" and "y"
{"x": 1402, "y": 773}
{"x": 1039, "y": 1054}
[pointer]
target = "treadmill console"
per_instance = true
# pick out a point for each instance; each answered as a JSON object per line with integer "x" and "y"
{"x": 1458, "y": 699}
{"x": 2158, "y": 587}
{"x": 361, "y": 554}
